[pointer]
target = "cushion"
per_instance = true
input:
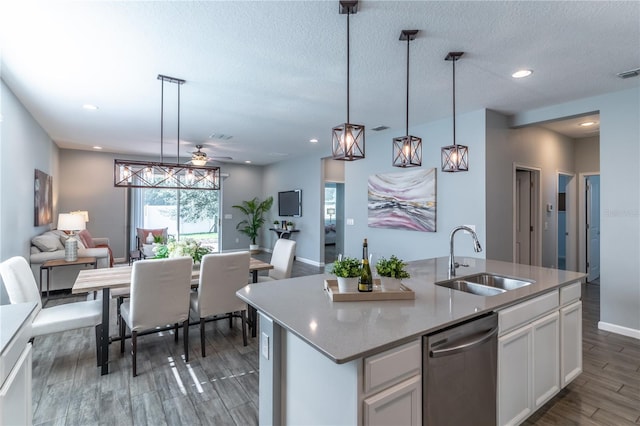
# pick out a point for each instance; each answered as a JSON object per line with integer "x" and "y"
{"x": 86, "y": 239}
{"x": 47, "y": 242}
{"x": 142, "y": 234}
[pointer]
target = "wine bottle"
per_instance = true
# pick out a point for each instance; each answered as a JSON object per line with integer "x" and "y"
{"x": 365, "y": 283}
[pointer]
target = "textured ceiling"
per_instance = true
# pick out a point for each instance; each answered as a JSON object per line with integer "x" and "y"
{"x": 273, "y": 74}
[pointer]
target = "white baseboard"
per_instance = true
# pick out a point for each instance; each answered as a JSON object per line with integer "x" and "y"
{"x": 309, "y": 261}
{"x": 618, "y": 329}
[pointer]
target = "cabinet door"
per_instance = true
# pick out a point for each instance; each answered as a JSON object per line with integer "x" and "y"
{"x": 546, "y": 359}
{"x": 571, "y": 343}
{"x": 398, "y": 405}
{"x": 15, "y": 394}
{"x": 514, "y": 376}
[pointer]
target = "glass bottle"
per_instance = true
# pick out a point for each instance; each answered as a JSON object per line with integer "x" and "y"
{"x": 365, "y": 283}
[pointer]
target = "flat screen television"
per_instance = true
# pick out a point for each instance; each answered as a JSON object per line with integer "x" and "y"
{"x": 290, "y": 203}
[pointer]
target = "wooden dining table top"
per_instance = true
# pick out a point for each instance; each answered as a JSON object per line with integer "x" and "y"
{"x": 120, "y": 277}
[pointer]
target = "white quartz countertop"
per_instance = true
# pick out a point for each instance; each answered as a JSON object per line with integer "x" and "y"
{"x": 344, "y": 331}
{"x": 11, "y": 319}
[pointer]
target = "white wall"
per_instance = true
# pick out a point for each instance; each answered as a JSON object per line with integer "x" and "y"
{"x": 24, "y": 147}
{"x": 620, "y": 201}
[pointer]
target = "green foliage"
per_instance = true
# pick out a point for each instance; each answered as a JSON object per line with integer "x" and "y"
{"x": 158, "y": 239}
{"x": 348, "y": 267}
{"x": 254, "y": 210}
{"x": 186, "y": 247}
{"x": 392, "y": 267}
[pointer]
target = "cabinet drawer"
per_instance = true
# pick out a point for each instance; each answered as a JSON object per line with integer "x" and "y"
{"x": 12, "y": 352}
{"x": 526, "y": 312}
{"x": 392, "y": 366}
{"x": 570, "y": 293}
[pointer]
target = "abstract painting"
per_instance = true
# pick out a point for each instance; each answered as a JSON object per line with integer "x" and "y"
{"x": 43, "y": 199}
{"x": 404, "y": 200}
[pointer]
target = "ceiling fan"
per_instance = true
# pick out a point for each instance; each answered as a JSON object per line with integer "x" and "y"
{"x": 200, "y": 158}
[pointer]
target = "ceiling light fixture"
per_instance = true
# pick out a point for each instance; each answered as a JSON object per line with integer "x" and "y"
{"x": 314, "y": 140}
{"x": 347, "y": 140}
{"x": 97, "y": 147}
{"x": 455, "y": 158}
{"x": 587, "y": 123}
{"x": 407, "y": 150}
{"x": 522, "y": 73}
{"x": 147, "y": 174}
{"x": 89, "y": 107}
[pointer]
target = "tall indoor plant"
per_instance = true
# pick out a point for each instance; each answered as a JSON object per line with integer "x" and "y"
{"x": 254, "y": 210}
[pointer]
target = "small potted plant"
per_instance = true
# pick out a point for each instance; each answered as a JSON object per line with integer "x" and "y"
{"x": 347, "y": 270}
{"x": 391, "y": 272}
{"x": 276, "y": 224}
{"x": 290, "y": 226}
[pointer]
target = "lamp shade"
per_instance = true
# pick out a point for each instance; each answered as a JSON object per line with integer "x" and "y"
{"x": 70, "y": 222}
{"x": 83, "y": 213}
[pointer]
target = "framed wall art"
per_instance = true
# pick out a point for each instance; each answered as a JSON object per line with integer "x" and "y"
{"x": 403, "y": 200}
{"x": 43, "y": 198}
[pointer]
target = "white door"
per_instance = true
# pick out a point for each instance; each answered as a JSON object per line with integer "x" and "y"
{"x": 593, "y": 227}
{"x": 523, "y": 217}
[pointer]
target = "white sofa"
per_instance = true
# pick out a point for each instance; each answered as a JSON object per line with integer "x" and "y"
{"x": 50, "y": 246}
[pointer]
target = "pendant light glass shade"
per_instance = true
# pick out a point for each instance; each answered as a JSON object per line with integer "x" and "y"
{"x": 347, "y": 139}
{"x": 149, "y": 174}
{"x": 407, "y": 150}
{"x": 455, "y": 158}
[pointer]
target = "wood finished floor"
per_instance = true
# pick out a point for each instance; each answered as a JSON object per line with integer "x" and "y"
{"x": 222, "y": 389}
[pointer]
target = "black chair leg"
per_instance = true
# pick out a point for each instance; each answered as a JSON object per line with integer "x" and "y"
{"x": 243, "y": 317}
{"x": 123, "y": 329}
{"x": 98, "y": 346}
{"x": 230, "y": 319}
{"x": 175, "y": 332}
{"x": 185, "y": 325}
{"x": 134, "y": 350}
{"x": 202, "y": 336}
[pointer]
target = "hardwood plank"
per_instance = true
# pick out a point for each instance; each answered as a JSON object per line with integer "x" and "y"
{"x": 180, "y": 411}
{"x": 147, "y": 409}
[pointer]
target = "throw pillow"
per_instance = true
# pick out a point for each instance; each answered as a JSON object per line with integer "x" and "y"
{"x": 86, "y": 239}
{"x": 47, "y": 243}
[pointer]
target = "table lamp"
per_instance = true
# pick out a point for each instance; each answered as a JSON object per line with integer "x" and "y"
{"x": 71, "y": 222}
{"x": 84, "y": 213}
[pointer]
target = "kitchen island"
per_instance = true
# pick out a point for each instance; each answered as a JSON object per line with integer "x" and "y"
{"x": 317, "y": 357}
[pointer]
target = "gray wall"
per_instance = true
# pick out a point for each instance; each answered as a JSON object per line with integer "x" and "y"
{"x": 620, "y": 200}
{"x": 587, "y": 155}
{"x": 24, "y": 147}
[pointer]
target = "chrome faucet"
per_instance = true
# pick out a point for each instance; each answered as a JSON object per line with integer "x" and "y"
{"x": 476, "y": 247}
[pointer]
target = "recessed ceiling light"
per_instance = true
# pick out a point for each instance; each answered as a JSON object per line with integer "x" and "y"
{"x": 97, "y": 147}
{"x": 588, "y": 123}
{"x": 89, "y": 107}
{"x": 522, "y": 73}
{"x": 314, "y": 140}
{"x": 247, "y": 161}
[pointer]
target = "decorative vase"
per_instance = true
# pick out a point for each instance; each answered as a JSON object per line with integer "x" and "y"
{"x": 254, "y": 248}
{"x": 347, "y": 285}
{"x": 390, "y": 284}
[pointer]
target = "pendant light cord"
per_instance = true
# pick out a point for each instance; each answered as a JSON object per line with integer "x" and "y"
{"x": 407, "y": 120}
{"x": 454, "y": 101}
{"x": 348, "y": 55}
{"x": 178, "y": 144}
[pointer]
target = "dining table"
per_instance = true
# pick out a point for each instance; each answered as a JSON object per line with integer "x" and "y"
{"x": 106, "y": 279}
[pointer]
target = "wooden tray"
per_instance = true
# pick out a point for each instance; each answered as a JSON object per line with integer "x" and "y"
{"x": 331, "y": 287}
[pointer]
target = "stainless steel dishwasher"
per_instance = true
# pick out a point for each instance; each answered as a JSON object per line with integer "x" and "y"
{"x": 460, "y": 369}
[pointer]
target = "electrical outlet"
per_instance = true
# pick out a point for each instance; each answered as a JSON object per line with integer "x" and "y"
{"x": 350, "y": 221}
{"x": 264, "y": 344}
{"x": 237, "y": 240}
{"x": 228, "y": 216}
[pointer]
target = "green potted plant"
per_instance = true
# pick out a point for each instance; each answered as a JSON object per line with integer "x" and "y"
{"x": 254, "y": 210}
{"x": 391, "y": 272}
{"x": 347, "y": 270}
{"x": 276, "y": 224}
{"x": 290, "y": 226}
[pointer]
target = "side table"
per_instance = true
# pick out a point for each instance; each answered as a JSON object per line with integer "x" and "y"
{"x": 50, "y": 264}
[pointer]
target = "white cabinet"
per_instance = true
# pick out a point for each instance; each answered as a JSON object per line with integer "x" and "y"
{"x": 392, "y": 393}
{"x": 546, "y": 359}
{"x": 571, "y": 342}
{"x": 514, "y": 376}
{"x": 15, "y": 393}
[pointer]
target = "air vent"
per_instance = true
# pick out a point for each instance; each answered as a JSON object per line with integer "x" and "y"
{"x": 629, "y": 74}
{"x": 220, "y": 136}
{"x": 380, "y": 128}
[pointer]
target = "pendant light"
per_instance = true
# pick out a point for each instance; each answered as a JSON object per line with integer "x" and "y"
{"x": 455, "y": 158}
{"x": 347, "y": 140}
{"x": 407, "y": 150}
{"x": 148, "y": 174}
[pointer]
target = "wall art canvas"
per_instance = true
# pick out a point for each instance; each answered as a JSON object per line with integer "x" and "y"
{"x": 43, "y": 199}
{"x": 404, "y": 200}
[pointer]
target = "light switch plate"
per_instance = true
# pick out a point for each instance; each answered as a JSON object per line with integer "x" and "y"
{"x": 228, "y": 216}
{"x": 350, "y": 221}
{"x": 264, "y": 344}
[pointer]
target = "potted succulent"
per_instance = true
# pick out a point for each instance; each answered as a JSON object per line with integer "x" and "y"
{"x": 391, "y": 272}
{"x": 254, "y": 210}
{"x": 347, "y": 270}
{"x": 276, "y": 224}
{"x": 290, "y": 226}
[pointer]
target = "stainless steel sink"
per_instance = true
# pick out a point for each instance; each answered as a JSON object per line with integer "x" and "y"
{"x": 484, "y": 284}
{"x": 469, "y": 287}
{"x": 497, "y": 281}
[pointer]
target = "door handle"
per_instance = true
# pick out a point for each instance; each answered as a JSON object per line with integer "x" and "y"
{"x": 458, "y": 347}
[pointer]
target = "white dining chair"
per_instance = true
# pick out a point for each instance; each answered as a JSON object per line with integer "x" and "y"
{"x": 22, "y": 288}
{"x": 221, "y": 275}
{"x": 159, "y": 296}
{"x": 282, "y": 260}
